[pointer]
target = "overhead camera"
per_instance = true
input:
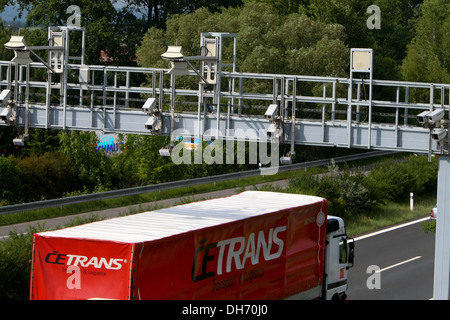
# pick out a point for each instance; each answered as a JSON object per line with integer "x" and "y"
{"x": 6, "y": 115}
{"x": 274, "y": 131}
{"x": 430, "y": 118}
{"x": 20, "y": 141}
{"x": 271, "y": 112}
{"x": 4, "y": 96}
{"x": 149, "y": 105}
{"x": 153, "y": 124}
{"x": 286, "y": 160}
{"x": 439, "y": 134}
{"x": 167, "y": 150}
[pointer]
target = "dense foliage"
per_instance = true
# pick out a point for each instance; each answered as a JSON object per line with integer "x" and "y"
{"x": 352, "y": 192}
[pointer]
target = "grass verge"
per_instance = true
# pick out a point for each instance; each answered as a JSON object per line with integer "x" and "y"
{"x": 388, "y": 214}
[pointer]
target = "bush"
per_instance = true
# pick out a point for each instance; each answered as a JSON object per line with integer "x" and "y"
{"x": 343, "y": 188}
{"x": 15, "y": 259}
{"x": 10, "y": 184}
{"x": 46, "y": 177}
{"x": 395, "y": 180}
{"x": 352, "y": 192}
{"x": 15, "y": 255}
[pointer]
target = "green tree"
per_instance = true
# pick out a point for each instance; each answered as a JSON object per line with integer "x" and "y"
{"x": 115, "y": 32}
{"x": 5, "y": 35}
{"x": 140, "y": 160}
{"x": 156, "y": 12}
{"x": 351, "y": 14}
{"x": 95, "y": 170}
{"x": 428, "y": 57}
{"x": 267, "y": 41}
{"x": 389, "y": 42}
{"x": 397, "y": 27}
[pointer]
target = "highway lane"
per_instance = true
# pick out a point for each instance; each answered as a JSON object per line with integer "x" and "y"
{"x": 404, "y": 257}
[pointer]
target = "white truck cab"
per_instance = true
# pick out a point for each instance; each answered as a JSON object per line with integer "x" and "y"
{"x": 339, "y": 256}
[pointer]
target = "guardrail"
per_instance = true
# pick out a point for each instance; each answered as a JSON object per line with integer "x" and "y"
{"x": 177, "y": 184}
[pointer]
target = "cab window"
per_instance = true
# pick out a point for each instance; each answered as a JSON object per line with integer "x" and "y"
{"x": 343, "y": 251}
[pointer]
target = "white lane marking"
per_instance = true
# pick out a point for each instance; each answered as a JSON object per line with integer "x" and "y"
{"x": 399, "y": 264}
{"x": 390, "y": 229}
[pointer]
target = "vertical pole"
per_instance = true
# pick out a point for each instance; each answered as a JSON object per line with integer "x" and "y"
{"x": 27, "y": 97}
{"x": 294, "y": 106}
{"x": 369, "y": 135}
{"x": 241, "y": 87}
{"x": 349, "y": 111}
{"x": 441, "y": 286}
{"x": 405, "y": 121}
{"x": 199, "y": 110}
{"x": 431, "y": 109}
{"x": 127, "y": 93}
{"x": 397, "y": 110}
{"x": 92, "y": 98}
{"x": 349, "y": 102}
{"x": 358, "y": 106}
{"x": 48, "y": 88}
{"x": 65, "y": 76}
{"x": 218, "y": 84}
{"x": 115, "y": 101}
{"x": 105, "y": 115}
{"x": 161, "y": 91}
{"x": 333, "y": 105}
{"x": 172, "y": 105}
{"x": 324, "y": 96}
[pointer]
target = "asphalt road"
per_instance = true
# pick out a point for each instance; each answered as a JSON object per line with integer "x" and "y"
{"x": 404, "y": 258}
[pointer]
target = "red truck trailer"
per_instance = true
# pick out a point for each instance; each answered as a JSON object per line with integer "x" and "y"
{"x": 253, "y": 245}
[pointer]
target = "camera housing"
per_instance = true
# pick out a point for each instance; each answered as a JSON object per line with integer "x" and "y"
{"x": 286, "y": 160}
{"x": 439, "y": 134}
{"x": 153, "y": 124}
{"x": 435, "y": 116}
{"x": 274, "y": 131}
{"x": 149, "y": 105}
{"x": 4, "y": 96}
{"x": 430, "y": 118}
{"x": 271, "y": 112}
{"x": 6, "y": 114}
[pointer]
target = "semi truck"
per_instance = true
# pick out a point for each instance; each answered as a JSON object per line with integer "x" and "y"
{"x": 255, "y": 245}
